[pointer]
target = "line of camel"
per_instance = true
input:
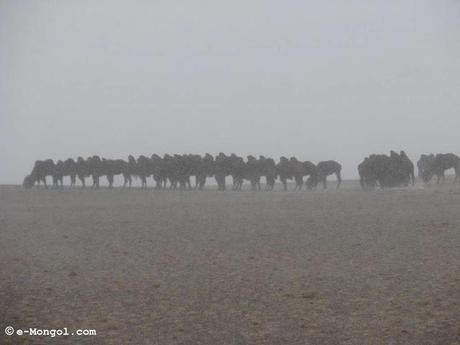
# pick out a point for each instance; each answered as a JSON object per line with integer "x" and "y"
{"x": 377, "y": 170}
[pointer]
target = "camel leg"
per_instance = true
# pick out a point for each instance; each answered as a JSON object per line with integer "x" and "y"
{"x": 125, "y": 180}
{"x": 339, "y": 179}
{"x": 298, "y": 184}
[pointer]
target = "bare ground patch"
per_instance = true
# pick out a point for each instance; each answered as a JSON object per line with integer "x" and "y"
{"x": 334, "y": 267}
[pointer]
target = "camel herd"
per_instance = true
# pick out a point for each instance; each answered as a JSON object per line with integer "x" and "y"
{"x": 381, "y": 170}
{"x": 397, "y": 170}
{"x": 436, "y": 165}
{"x": 178, "y": 171}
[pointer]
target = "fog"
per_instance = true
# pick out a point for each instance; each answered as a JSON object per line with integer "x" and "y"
{"x": 315, "y": 79}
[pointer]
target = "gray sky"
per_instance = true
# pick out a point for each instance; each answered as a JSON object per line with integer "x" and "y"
{"x": 316, "y": 79}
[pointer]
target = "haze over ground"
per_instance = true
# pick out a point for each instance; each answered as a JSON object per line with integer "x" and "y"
{"x": 318, "y": 80}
